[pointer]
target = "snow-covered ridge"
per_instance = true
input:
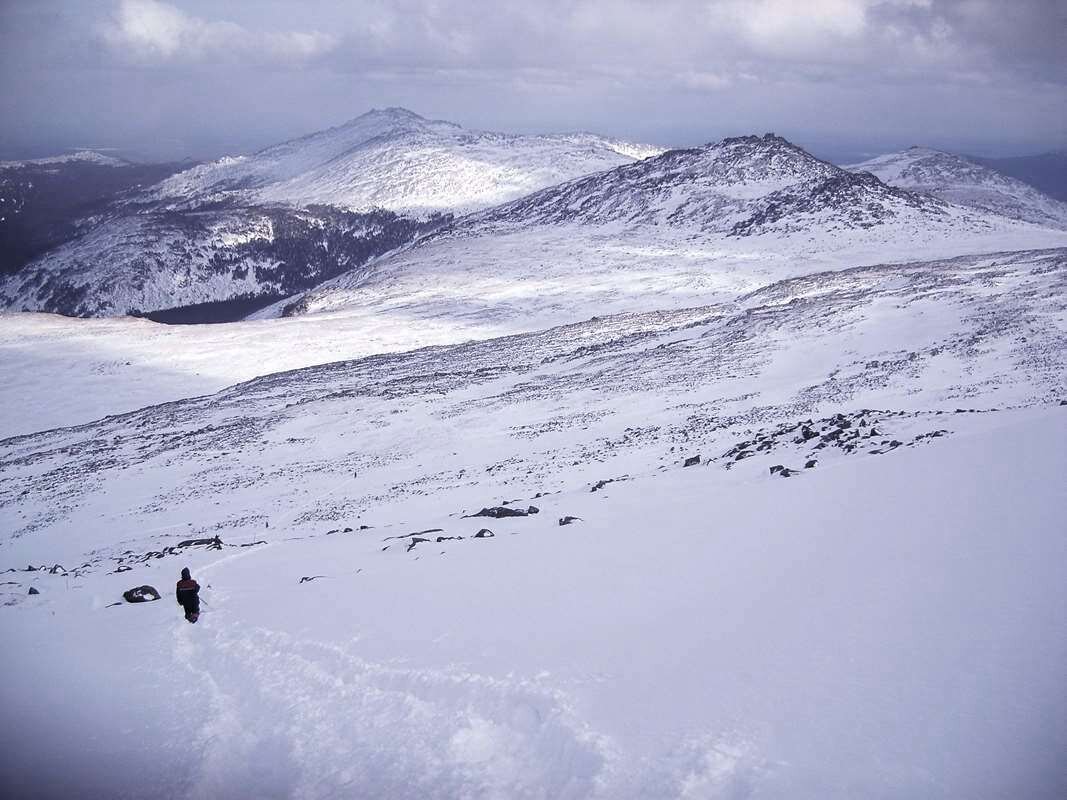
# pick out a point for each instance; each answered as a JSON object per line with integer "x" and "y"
{"x": 964, "y": 182}
{"x": 397, "y": 160}
{"x": 83, "y": 156}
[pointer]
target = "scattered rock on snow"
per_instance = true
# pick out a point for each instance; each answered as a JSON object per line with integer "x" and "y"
{"x": 569, "y": 520}
{"x": 33, "y": 591}
{"x": 692, "y": 461}
{"x": 484, "y": 533}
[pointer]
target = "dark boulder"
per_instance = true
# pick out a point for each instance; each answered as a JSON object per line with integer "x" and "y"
{"x": 692, "y": 461}
{"x": 484, "y": 533}
{"x": 33, "y": 591}
{"x": 499, "y": 512}
{"x": 533, "y": 510}
{"x": 569, "y": 520}
{"x": 811, "y": 463}
{"x": 140, "y": 594}
{"x": 214, "y": 543}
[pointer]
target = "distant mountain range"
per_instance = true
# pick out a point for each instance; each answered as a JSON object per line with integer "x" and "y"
{"x": 687, "y": 227}
{"x": 966, "y": 182}
{"x": 337, "y": 213}
{"x": 289, "y": 217}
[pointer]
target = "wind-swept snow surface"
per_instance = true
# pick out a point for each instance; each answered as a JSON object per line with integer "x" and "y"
{"x": 110, "y": 366}
{"x": 857, "y": 591}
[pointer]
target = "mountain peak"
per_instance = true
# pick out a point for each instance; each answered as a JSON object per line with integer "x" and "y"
{"x": 396, "y": 112}
{"x": 753, "y": 139}
{"x": 738, "y": 186}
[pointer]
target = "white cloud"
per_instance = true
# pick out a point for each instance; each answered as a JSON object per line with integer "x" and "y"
{"x": 152, "y": 31}
{"x": 701, "y": 45}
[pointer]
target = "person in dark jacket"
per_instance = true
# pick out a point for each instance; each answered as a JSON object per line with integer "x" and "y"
{"x": 188, "y": 594}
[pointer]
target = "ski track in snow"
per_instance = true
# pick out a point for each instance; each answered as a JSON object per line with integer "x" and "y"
{"x": 327, "y": 721}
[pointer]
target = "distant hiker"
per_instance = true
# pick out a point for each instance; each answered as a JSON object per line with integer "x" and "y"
{"x": 188, "y": 594}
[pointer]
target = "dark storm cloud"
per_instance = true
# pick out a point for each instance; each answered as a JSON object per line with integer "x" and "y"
{"x": 226, "y": 73}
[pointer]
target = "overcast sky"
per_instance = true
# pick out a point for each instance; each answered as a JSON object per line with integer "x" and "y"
{"x": 198, "y": 78}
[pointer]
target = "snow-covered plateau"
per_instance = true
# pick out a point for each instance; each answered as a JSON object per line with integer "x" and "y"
{"x": 483, "y": 569}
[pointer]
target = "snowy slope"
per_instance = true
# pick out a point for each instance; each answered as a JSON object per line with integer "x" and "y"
{"x": 396, "y": 160}
{"x": 688, "y": 227}
{"x": 967, "y": 183}
{"x": 885, "y": 619}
